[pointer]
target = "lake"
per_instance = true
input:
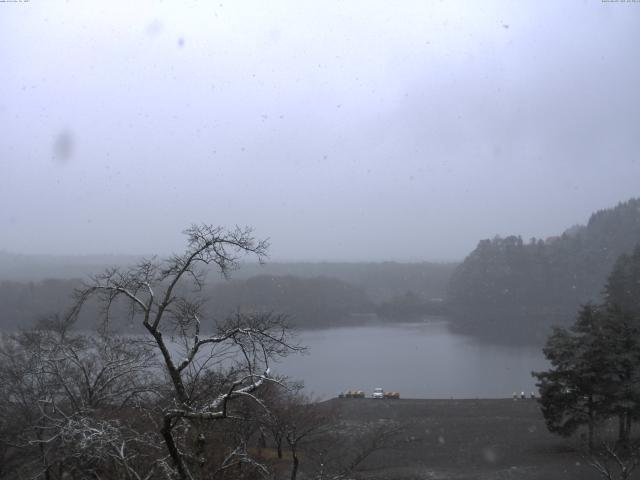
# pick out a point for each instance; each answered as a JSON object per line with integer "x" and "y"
{"x": 419, "y": 360}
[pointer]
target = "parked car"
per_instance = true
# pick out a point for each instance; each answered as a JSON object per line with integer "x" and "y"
{"x": 378, "y": 392}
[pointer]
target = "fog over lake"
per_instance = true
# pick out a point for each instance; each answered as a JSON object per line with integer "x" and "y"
{"x": 314, "y": 122}
{"x": 419, "y": 360}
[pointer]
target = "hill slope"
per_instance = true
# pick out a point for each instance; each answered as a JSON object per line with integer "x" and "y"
{"x": 511, "y": 289}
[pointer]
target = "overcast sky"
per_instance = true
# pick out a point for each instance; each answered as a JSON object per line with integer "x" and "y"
{"x": 342, "y": 130}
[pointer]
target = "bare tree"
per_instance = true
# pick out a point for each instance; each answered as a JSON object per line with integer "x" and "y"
{"x": 614, "y": 462}
{"x": 304, "y": 420}
{"x": 163, "y": 295}
{"x": 62, "y": 390}
{"x": 348, "y": 445}
{"x": 295, "y": 420}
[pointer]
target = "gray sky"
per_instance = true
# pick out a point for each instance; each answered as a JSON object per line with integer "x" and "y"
{"x": 342, "y": 130}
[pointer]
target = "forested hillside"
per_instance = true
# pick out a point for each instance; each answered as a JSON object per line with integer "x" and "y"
{"x": 312, "y": 294}
{"x": 35, "y": 268}
{"x": 511, "y": 288}
{"x": 381, "y": 281}
{"x": 308, "y": 302}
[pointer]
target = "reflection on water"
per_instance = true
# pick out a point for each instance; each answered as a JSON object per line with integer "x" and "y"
{"x": 419, "y": 360}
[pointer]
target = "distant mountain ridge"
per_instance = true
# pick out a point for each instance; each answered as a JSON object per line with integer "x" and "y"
{"x": 315, "y": 295}
{"x": 33, "y": 268}
{"x": 380, "y": 280}
{"x": 509, "y": 288}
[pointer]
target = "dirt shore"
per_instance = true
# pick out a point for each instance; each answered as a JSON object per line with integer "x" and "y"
{"x": 467, "y": 439}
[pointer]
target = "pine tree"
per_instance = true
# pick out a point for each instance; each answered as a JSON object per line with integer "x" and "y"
{"x": 572, "y": 392}
{"x": 622, "y": 300}
{"x": 595, "y": 365}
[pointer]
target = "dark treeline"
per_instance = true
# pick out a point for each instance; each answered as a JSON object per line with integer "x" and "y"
{"x": 35, "y": 268}
{"x": 511, "y": 288}
{"x": 313, "y": 295}
{"x": 308, "y": 302}
{"x": 381, "y": 281}
{"x": 25, "y": 303}
{"x": 410, "y": 306}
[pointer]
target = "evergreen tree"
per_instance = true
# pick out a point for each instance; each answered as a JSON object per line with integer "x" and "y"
{"x": 572, "y": 391}
{"x": 622, "y": 290}
{"x": 622, "y": 300}
{"x": 508, "y": 289}
{"x": 595, "y": 364}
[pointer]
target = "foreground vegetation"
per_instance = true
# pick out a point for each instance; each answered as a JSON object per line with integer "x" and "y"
{"x": 595, "y": 372}
{"x": 192, "y": 399}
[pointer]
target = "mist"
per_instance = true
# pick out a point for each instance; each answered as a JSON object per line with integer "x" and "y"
{"x": 319, "y": 239}
{"x": 341, "y": 131}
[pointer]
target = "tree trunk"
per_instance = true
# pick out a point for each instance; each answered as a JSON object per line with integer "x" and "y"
{"x": 200, "y": 444}
{"x": 178, "y": 461}
{"x": 294, "y": 469}
{"x": 279, "y": 444}
{"x": 591, "y": 423}
{"x": 623, "y": 430}
{"x": 620, "y": 427}
{"x": 45, "y": 461}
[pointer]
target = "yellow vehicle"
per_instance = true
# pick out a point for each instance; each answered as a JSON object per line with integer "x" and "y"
{"x": 352, "y": 394}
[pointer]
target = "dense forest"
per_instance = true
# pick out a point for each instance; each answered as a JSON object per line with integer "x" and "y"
{"x": 511, "y": 288}
{"x": 308, "y": 302}
{"x": 380, "y": 281}
{"x": 313, "y": 295}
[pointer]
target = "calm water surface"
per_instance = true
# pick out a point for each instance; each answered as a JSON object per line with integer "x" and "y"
{"x": 419, "y": 360}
